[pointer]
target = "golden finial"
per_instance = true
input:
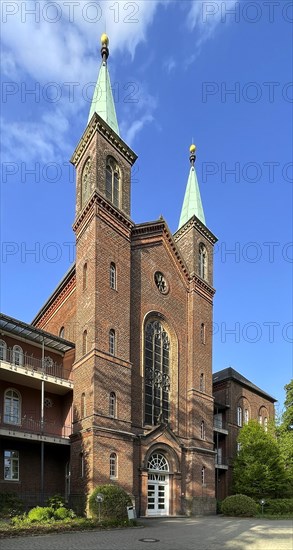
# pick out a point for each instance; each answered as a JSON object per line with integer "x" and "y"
{"x": 105, "y": 39}
{"x": 192, "y": 148}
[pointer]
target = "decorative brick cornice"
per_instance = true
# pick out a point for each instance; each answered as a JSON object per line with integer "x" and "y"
{"x": 155, "y": 232}
{"x": 201, "y": 228}
{"x": 55, "y": 301}
{"x": 97, "y": 124}
{"x": 98, "y": 205}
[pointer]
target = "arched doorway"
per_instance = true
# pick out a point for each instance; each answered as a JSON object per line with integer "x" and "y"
{"x": 158, "y": 485}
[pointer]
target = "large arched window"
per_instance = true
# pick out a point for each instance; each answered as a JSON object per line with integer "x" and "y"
{"x": 202, "y": 261}
{"x": 3, "y": 350}
{"x": 113, "y": 181}
{"x": 86, "y": 181}
{"x": 12, "y": 407}
{"x": 113, "y": 466}
{"x": 158, "y": 462}
{"x": 239, "y": 416}
{"x": 157, "y": 373}
{"x": 17, "y": 355}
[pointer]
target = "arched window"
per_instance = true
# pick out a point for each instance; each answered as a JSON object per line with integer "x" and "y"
{"x": 246, "y": 416}
{"x": 83, "y": 405}
{"x": 113, "y": 466}
{"x": 239, "y": 416}
{"x": 113, "y": 182}
{"x": 84, "y": 342}
{"x": 202, "y": 430}
{"x": 157, "y": 373}
{"x": 84, "y": 277}
{"x": 201, "y": 382}
{"x": 202, "y": 261}
{"x": 17, "y": 355}
{"x": 86, "y": 181}
{"x": 158, "y": 462}
{"x": 12, "y": 407}
{"x": 203, "y": 475}
{"x": 112, "y": 342}
{"x": 3, "y": 350}
{"x": 202, "y": 333}
{"x": 112, "y": 404}
{"x": 62, "y": 332}
{"x": 113, "y": 278}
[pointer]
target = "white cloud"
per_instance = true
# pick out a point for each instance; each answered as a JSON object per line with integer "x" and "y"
{"x": 135, "y": 127}
{"x": 205, "y": 17}
{"x": 170, "y": 64}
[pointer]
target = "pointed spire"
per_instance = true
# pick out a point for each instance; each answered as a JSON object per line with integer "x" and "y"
{"x": 192, "y": 204}
{"x": 103, "y": 102}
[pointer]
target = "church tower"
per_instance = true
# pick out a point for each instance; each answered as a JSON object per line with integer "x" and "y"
{"x": 102, "y": 369}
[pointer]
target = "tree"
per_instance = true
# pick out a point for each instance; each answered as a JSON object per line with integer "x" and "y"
{"x": 258, "y": 468}
{"x": 285, "y": 433}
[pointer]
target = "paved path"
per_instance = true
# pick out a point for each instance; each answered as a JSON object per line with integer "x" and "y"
{"x": 208, "y": 533}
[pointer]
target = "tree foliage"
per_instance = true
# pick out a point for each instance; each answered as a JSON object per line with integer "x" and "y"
{"x": 285, "y": 433}
{"x": 258, "y": 468}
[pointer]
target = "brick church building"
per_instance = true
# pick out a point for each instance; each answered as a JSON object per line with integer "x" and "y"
{"x": 130, "y": 329}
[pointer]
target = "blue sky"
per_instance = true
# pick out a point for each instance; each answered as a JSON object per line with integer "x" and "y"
{"x": 217, "y": 72}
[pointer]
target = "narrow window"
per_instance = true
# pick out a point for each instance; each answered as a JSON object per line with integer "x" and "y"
{"x": 83, "y": 406}
{"x": 3, "y": 350}
{"x": 12, "y": 407}
{"x": 84, "y": 342}
{"x": 202, "y": 261}
{"x": 260, "y": 419}
{"x": 11, "y": 465}
{"x": 246, "y": 416}
{"x": 86, "y": 182}
{"x": 265, "y": 424}
{"x": 202, "y": 430}
{"x": 112, "y": 343}
{"x": 239, "y": 416}
{"x": 81, "y": 464}
{"x": 84, "y": 277}
{"x": 203, "y": 475}
{"x": 113, "y": 466}
{"x": 203, "y": 333}
{"x": 238, "y": 447}
{"x": 112, "y": 404}
{"x": 113, "y": 182}
{"x": 201, "y": 382}
{"x": 17, "y": 355}
{"x": 62, "y": 332}
{"x": 113, "y": 276}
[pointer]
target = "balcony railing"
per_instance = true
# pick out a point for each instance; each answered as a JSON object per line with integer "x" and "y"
{"x": 220, "y": 424}
{"x": 31, "y": 363}
{"x": 34, "y": 426}
{"x": 221, "y": 460}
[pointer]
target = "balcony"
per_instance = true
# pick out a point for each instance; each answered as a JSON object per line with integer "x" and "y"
{"x": 28, "y": 370}
{"x": 221, "y": 462}
{"x": 220, "y": 426}
{"x": 32, "y": 430}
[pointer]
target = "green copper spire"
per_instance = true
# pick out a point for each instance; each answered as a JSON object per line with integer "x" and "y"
{"x": 103, "y": 102}
{"x": 192, "y": 204}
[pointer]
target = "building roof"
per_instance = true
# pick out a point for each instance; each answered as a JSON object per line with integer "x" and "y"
{"x": 29, "y": 332}
{"x": 192, "y": 205}
{"x": 103, "y": 102}
{"x": 70, "y": 273}
{"x": 231, "y": 374}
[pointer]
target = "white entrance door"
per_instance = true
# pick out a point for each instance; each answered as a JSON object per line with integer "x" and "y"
{"x": 158, "y": 494}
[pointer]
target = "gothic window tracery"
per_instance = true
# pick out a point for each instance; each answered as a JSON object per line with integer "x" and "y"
{"x": 203, "y": 261}
{"x": 113, "y": 181}
{"x": 157, "y": 373}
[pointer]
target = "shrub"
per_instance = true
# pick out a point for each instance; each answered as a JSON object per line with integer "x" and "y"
{"x": 10, "y": 505}
{"x": 239, "y": 505}
{"x": 279, "y": 506}
{"x": 56, "y": 501}
{"x": 114, "y": 505}
{"x": 40, "y": 514}
{"x": 63, "y": 513}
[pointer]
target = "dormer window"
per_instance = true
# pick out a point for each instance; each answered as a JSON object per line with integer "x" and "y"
{"x": 113, "y": 182}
